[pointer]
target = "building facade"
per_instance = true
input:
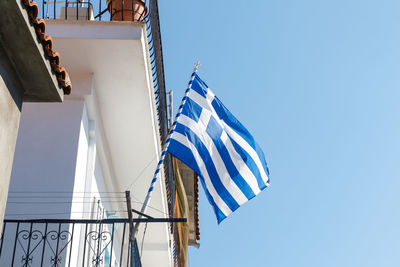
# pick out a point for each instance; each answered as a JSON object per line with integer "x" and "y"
{"x": 82, "y": 166}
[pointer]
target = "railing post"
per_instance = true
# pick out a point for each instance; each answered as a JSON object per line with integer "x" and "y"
{"x": 66, "y": 9}
{"x": 84, "y": 246}
{"x": 88, "y": 10}
{"x": 122, "y": 10}
{"x": 131, "y": 239}
{"x": 122, "y": 245}
{"x": 133, "y": 10}
{"x": 111, "y": 10}
{"x": 77, "y": 9}
{"x": 58, "y": 243}
{"x": 99, "y": 10}
{"x": 15, "y": 244}
{"x": 2, "y": 237}
{"x": 44, "y": 244}
{"x": 29, "y": 245}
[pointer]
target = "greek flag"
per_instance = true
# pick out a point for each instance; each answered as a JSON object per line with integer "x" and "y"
{"x": 211, "y": 141}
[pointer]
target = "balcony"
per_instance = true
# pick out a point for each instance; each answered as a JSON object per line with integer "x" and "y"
{"x": 91, "y": 41}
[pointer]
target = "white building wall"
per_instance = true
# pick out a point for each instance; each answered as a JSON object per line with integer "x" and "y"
{"x": 56, "y": 155}
{"x": 68, "y": 178}
{"x": 45, "y": 159}
{"x": 103, "y": 138}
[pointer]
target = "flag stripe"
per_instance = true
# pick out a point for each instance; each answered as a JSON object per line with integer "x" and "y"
{"x": 241, "y": 165}
{"x": 250, "y": 163}
{"x": 201, "y": 101}
{"x": 249, "y": 150}
{"x": 180, "y": 150}
{"x": 200, "y": 129}
{"x": 232, "y": 122}
{"x": 241, "y": 135}
{"x": 209, "y": 164}
{"x": 215, "y": 129}
{"x": 220, "y": 204}
{"x": 214, "y": 164}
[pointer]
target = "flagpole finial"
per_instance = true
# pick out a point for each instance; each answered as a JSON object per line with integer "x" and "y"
{"x": 196, "y": 66}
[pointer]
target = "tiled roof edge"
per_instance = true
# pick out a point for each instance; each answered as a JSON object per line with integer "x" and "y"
{"x": 47, "y": 42}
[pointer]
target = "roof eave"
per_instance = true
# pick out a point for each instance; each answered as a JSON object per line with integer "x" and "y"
{"x": 29, "y": 55}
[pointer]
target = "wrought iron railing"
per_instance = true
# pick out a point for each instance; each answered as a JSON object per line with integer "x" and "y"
{"x": 59, "y": 243}
{"x": 67, "y": 9}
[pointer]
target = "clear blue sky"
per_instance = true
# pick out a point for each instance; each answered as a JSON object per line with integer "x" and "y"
{"x": 318, "y": 84}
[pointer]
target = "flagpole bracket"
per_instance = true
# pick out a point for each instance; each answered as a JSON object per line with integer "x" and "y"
{"x": 160, "y": 220}
{"x": 141, "y": 214}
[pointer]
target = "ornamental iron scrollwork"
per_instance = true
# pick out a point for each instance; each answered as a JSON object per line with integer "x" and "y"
{"x": 58, "y": 243}
{"x": 101, "y": 239}
{"x": 29, "y": 241}
{"x": 57, "y": 237}
{"x": 32, "y": 240}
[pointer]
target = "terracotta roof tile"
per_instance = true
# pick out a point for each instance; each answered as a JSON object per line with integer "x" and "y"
{"x": 47, "y": 42}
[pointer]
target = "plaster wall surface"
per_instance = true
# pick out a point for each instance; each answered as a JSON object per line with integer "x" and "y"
{"x": 25, "y": 75}
{"x": 45, "y": 158}
{"x": 49, "y": 181}
{"x": 10, "y": 112}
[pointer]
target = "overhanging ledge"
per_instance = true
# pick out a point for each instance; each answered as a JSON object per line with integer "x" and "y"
{"x": 23, "y": 47}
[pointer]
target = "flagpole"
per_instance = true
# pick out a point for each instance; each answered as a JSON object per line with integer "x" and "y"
{"x": 164, "y": 152}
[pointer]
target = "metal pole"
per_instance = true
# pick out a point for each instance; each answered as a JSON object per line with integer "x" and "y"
{"x": 170, "y": 107}
{"x": 164, "y": 152}
{"x": 131, "y": 239}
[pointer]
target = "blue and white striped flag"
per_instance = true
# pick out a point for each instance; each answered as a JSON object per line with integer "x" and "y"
{"x": 211, "y": 141}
